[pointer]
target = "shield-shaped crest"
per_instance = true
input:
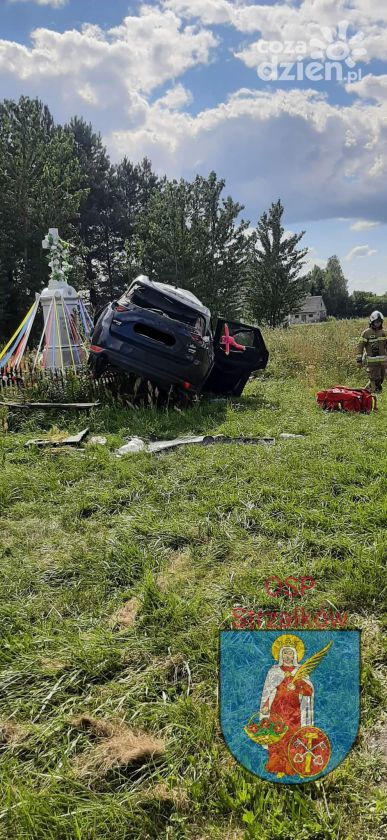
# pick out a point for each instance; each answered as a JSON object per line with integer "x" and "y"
{"x": 289, "y": 702}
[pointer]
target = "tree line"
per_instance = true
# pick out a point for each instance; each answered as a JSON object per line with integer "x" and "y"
{"x": 123, "y": 219}
{"x": 331, "y": 283}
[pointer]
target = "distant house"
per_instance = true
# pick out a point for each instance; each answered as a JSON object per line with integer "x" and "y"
{"x": 312, "y": 311}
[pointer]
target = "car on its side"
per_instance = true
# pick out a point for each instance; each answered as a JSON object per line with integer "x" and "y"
{"x": 165, "y": 334}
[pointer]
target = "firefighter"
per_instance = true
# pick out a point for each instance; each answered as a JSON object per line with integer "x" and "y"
{"x": 374, "y": 342}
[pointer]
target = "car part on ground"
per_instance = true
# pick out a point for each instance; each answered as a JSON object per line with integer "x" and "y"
{"x": 60, "y": 439}
{"x": 164, "y": 334}
{"x": 138, "y": 444}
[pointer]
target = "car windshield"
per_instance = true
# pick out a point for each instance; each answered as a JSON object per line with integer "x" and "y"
{"x": 157, "y": 301}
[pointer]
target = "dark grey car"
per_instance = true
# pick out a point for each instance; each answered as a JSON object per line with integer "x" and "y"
{"x": 165, "y": 334}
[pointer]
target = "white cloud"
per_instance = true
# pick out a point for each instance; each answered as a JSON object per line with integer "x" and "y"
{"x": 370, "y": 87}
{"x": 56, "y": 4}
{"x": 313, "y": 259}
{"x": 363, "y": 224}
{"x": 176, "y": 98}
{"x": 311, "y": 26}
{"x": 88, "y": 93}
{"x": 212, "y": 12}
{"x": 291, "y": 144}
{"x": 323, "y": 160}
{"x": 361, "y": 251}
{"x": 113, "y": 67}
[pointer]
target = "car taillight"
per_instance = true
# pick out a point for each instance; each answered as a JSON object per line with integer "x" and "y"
{"x": 121, "y": 309}
{"x": 95, "y": 348}
{"x": 186, "y": 385}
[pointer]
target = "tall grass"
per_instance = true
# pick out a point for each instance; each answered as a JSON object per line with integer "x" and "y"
{"x": 172, "y": 542}
{"x": 317, "y": 353}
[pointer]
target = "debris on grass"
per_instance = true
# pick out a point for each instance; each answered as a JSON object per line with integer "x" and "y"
{"x": 97, "y": 440}
{"x": 135, "y": 444}
{"x": 207, "y": 440}
{"x": 58, "y": 438}
{"x": 125, "y": 616}
{"x": 138, "y": 445}
{"x": 50, "y": 405}
{"x": 118, "y": 747}
{"x": 289, "y": 436}
{"x": 159, "y": 445}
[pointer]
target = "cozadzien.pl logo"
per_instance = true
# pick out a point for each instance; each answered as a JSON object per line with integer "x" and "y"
{"x": 332, "y": 54}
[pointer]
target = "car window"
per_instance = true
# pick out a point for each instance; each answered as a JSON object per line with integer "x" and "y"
{"x": 245, "y": 337}
{"x": 200, "y": 325}
{"x": 156, "y": 301}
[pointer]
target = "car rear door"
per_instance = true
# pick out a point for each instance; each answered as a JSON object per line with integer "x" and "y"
{"x": 239, "y": 350}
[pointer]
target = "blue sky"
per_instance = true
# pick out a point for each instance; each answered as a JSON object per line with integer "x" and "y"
{"x": 284, "y": 98}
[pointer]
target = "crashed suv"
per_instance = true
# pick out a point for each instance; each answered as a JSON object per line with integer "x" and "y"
{"x": 165, "y": 334}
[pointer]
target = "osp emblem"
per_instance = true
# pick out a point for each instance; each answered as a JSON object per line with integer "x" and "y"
{"x": 289, "y": 703}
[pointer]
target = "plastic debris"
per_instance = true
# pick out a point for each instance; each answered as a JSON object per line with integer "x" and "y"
{"x": 288, "y": 436}
{"x": 49, "y": 405}
{"x": 159, "y": 445}
{"x": 135, "y": 444}
{"x": 73, "y": 440}
{"x": 138, "y": 445}
{"x": 97, "y": 440}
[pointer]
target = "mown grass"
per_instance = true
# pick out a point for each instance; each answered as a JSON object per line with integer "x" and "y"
{"x": 188, "y": 534}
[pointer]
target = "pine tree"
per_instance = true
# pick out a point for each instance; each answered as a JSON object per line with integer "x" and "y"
{"x": 276, "y": 287}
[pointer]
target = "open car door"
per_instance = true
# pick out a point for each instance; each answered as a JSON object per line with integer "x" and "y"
{"x": 239, "y": 350}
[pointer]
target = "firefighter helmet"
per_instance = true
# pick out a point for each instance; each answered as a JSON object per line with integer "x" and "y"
{"x": 376, "y": 316}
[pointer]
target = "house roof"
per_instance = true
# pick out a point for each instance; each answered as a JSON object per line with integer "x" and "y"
{"x": 313, "y": 303}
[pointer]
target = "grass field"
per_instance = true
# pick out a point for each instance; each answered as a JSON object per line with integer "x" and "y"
{"x": 116, "y": 576}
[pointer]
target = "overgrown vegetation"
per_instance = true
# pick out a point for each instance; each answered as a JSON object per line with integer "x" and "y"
{"x": 116, "y": 576}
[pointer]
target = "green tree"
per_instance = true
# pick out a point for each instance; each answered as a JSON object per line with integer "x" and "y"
{"x": 136, "y": 185}
{"x": 220, "y": 247}
{"x": 117, "y": 196}
{"x": 276, "y": 287}
{"x": 316, "y": 280}
{"x": 363, "y": 303}
{"x": 41, "y": 186}
{"x": 161, "y": 245}
{"x": 94, "y": 163}
{"x": 335, "y": 293}
{"x": 189, "y": 236}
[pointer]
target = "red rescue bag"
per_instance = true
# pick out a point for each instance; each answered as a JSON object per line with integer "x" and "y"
{"x": 346, "y": 399}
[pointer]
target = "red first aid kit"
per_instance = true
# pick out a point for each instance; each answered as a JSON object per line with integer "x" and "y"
{"x": 346, "y": 399}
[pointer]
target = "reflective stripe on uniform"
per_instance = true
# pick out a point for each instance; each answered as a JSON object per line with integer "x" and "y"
{"x": 376, "y": 359}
